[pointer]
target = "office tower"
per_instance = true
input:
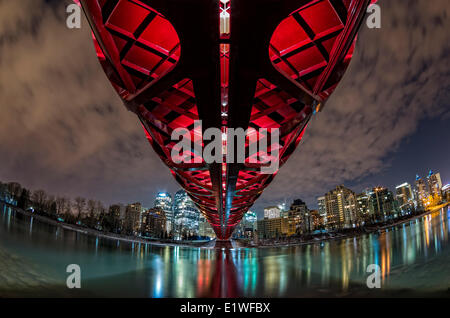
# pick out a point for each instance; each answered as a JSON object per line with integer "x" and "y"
{"x": 247, "y": 226}
{"x": 164, "y": 202}
{"x": 186, "y": 215}
{"x": 250, "y": 222}
{"x": 382, "y": 203}
{"x": 363, "y": 207}
{"x": 272, "y": 228}
{"x": 133, "y": 219}
{"x": 298, "y": 218}
{"x": 341, "y": 208}
{"x": 434, "y": 183}
{"x": 154, "y": 223}
{"x": 404, "y": 193}
{"x": 315, "y": 220}
{"x": 204, "y": 228}
{"x": 421, "y": 189}
{"x": 117, "y": 213}
{"x": 322, "y": 208}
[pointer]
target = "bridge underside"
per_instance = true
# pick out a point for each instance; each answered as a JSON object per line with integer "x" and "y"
{"x": 231, "y": 64}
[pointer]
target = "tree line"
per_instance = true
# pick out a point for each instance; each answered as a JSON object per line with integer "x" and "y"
{"x": 80, "y": 211}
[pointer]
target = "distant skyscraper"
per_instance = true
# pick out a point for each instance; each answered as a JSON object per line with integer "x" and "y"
{"x": 322, "y": 206}
{"x": 204, "y": 228}
{"x": 272, "y": 212}
{"x": 186, "y": 214}
{"x": 299, "y": 220}
{"x": 133, "y": 219}
{"x": 154, "y": 223}
{"x": 164, "y": 202}
{"x": 247, "y": 226}
{"x": 283, "y": 208}
{"x": 117, "y": 211}
{"x": 362, "y": 207}
{"x": 404, "y": 194}
{"x": 434, "y": 183}
{"x": 421, "y": 190}
{"x": 250, "y": 221}
{"x": 271, "y": 228}
{"x": 340, "y": 207}
{"x": 382, "y": 203}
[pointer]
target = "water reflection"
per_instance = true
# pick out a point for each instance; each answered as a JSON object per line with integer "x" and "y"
{"x": 418, "y": 248}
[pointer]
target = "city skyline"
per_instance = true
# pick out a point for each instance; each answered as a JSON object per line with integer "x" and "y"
{"x": 170, "y": 207}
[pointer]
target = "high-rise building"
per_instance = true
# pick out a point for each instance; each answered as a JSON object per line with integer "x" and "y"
{"x": 341, "y": 208}
{"x": 250, "y": 221}
{"x": 164, "y": 202}
{"x": 322, "y": 208}
{"x": 434, "y": 183}
{"x": 117, "y": 212}
{"x": 283, "y": 209}
{"x": 204, "y": 228}
{"x": 382, "y": 203}
{"x": 154, "y": 223}
{"x": 272, "y": 212}
{"x": 272, "y": 228}
{"x": 350, "y": 211}
{"x": 186, "y": 215}
{"x": 247, "y": 226}
{"x": 404, "y": 194}
{"x": 421, "y": 190}
{"x": 363, "y": 207}
{"x": 298, "y": 218}
{"x": 133, "y": 219}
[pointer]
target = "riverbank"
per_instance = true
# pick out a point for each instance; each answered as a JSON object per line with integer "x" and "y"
{"x": 238, "y": 243}
{"x": 112, "y": 236}
{"x": 337, "y": 235}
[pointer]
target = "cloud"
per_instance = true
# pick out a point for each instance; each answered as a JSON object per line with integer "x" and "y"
{"x": 62, "y": 126}
{"x": 55, "y": 133}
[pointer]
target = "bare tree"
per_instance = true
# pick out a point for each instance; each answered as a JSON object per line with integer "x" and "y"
{"x": 91, "y": 207}
{"x": 80, "y": 206}
{"x": 61, "y": 203}
{"x": 39, "y": 198}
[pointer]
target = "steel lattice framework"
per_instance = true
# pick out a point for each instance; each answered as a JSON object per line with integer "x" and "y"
{"x": 232, "y": 64}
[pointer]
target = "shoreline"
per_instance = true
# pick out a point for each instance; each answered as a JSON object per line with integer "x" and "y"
{"x": 209, "y": 245}
{"x": 342, "y": 236}
{"x": 111, "y": 236}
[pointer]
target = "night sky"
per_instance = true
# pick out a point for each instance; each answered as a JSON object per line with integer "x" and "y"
{"x": 64, "y": 129}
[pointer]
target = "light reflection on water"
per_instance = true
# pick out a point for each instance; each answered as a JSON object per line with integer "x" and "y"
{"x": 413, "y": 258}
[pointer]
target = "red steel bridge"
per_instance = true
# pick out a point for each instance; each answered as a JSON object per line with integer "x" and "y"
{"x": 232, "y": 64}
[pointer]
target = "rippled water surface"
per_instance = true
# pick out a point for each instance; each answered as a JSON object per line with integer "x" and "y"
{"x": 414, "y": 258}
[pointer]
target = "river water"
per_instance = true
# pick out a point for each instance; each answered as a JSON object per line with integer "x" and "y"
{"x": 414, "y": 259}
